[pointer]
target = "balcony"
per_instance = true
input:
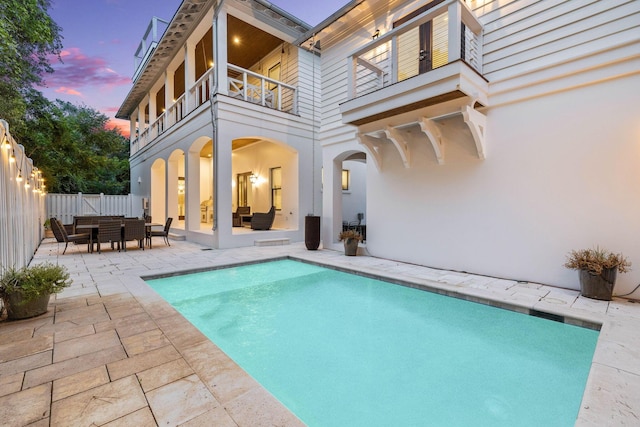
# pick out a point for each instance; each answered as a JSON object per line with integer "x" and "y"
{"x": 243, "y": 84}
{"x": 388, "y": 76}
{"x": 424, "y": 77}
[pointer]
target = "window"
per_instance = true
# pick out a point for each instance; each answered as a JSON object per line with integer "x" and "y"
{"x": 274, "y": 73}
{"x": 276, "y": 187}
{"x": 345, "y": 179}
{"x": 243, "y": 188}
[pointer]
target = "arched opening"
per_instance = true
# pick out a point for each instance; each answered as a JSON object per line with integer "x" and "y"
{"x": 346, "y": 194}
{"x": 200, "y": 191}
{"x": 354, "y": 193}
{"x": 265, "y": 173}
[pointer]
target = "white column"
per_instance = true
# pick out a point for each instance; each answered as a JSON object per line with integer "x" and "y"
{"x": 220, "y": 51}
{"x": 189, "y": 75}
{"x": 132, "y": 126}
{"x": 168, "y": 96}
{"x": 455, "y": 30}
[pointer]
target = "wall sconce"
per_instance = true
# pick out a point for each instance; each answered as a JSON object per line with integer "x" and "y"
{"x": 139, "y": 180}
{"x": 376, "y": 34}
{"x": 253, "y": 178}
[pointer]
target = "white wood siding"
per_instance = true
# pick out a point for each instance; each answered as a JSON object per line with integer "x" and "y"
{"x": 525, "y": 35}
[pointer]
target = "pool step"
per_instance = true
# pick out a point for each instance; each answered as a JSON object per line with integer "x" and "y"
{"x": 272, "y": 242}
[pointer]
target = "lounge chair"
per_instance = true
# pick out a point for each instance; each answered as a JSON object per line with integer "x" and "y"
{"x": 263, "y": 221}
{"x": 60, "y": 232}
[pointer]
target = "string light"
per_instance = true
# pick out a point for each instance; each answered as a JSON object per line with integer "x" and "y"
{"x": 19, "y": 178}
{"x": 12, "y": 159}
{"x": 6, "y": 143}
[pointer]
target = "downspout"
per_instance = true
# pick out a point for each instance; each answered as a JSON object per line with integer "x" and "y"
{"x": 214, "y": 119}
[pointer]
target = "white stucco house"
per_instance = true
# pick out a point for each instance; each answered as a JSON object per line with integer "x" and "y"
{"x": 498, "y": 135}
{"x": 488, "y": 136}
{"x": 223, "y": 114}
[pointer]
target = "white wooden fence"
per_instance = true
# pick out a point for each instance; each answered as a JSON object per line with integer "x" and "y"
{"x": 66, "y": 206}
{"x": 22, "y": 212}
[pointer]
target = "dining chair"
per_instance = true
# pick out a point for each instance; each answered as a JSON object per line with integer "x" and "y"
{"x": 109, "y": 230}
{"x": 164, "y": 232}
{"x": 134, "y": 229}
{"x": 62, "y": 236}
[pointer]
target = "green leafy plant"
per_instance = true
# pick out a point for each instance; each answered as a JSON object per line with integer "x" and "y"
{"x": 349, "y": 234}
{"x": 34, "y": 281}
{"x": 596, "y": 260}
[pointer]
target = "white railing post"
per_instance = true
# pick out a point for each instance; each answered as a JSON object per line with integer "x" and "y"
{"x": 394, "y": 59}
{"x": 244, "y": 86}
{"x": 352, "y": 67}
{"x": 279, "y": 89}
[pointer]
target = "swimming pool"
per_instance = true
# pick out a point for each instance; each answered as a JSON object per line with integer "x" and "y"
{"x": 339, "y": 349}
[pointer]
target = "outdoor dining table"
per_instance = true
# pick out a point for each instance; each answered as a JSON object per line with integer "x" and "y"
{"x": 93, "y": 230}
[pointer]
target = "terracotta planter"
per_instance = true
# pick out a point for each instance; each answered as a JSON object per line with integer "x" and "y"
{"x": 598, "y": 286}
{"x": 16, "y": 309}
{"x": 351, "y": 247}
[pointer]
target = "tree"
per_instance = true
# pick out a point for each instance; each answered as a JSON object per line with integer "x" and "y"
{"x": 71, "y": 144}
{"x": 76, "y": 151}
{"x": 28, "y": 36}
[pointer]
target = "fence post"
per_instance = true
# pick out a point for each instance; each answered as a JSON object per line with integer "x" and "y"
{"x": 79, "y": 210}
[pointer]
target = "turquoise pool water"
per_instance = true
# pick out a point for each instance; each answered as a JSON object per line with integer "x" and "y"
{"x": 344, "y": 350}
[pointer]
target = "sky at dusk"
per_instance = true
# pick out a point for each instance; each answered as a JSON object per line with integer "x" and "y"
{"x": 101, "y": 36}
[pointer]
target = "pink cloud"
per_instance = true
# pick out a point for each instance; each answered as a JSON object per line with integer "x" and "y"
{"x": 79, "y": 70}
{"x": 68, "y": 91}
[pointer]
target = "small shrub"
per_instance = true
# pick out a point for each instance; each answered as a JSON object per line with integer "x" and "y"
{"x": 349, "y": 234}
{"x": 595, "y": 260}
{"x": 35, "y": 281}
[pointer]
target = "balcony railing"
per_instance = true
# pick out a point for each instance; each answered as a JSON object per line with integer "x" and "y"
{"x": 261, "y": 90}
{"x": 396, "y": 55}
{"x": 243, "y": 84}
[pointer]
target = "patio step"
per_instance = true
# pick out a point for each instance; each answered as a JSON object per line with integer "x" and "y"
{"x": 272, "y": 242}
{"x": 178, "y": 237}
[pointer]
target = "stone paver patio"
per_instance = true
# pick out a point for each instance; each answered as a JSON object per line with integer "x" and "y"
{"x": 111, "y": 352}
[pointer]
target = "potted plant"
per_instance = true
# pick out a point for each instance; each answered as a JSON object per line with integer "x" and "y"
{"x": 598, "y": 269}
{"x": 25, "y": 291}
{"x": 351, "y": 239}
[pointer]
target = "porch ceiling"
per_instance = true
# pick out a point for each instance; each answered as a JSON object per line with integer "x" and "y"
{"x": 253, "y": 43}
